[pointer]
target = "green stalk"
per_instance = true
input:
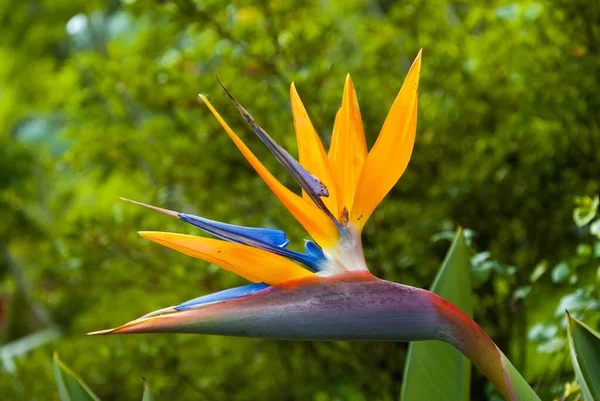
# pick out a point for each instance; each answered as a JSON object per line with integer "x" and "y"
{"x": 463, "y": 333}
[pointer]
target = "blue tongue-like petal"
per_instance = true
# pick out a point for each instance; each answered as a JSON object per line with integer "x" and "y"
{"x": 244, "y": 235}
{"x": 264, "y": 238}
{"x": 222, "y": 296}
{"x": 268, "y": 239}
{"x": 311, "y": 248}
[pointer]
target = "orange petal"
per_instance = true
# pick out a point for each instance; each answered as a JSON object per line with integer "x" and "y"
{"x": 334, "y": 138}
{"x": 312, "y": 154}
{"x": 253, "y": 264}
{"x": 320, "y": 227}
{"x": 389, "y": 157}
{"x": 348, "y": 147}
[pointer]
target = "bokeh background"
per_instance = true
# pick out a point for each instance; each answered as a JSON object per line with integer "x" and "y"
{"x": 98, "y": 99}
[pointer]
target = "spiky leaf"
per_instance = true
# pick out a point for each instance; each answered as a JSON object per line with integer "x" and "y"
{"x": 148, "y": 396}
{"x": 70, "y": 386}
{"x": 585, "y": 354}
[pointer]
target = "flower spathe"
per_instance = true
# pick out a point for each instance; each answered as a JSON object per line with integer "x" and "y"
{"x": 326, "y": 292}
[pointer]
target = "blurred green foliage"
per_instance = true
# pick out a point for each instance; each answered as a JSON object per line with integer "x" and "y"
{"x": 99, "y": 100}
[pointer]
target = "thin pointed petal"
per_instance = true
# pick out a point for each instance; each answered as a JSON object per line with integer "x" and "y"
{"x": 229, "y": 232}
{"x": 155, "y": 208}
{"x": 253, "y": 236}
{"x": 163, "y": 311}
{"x": 312, "y": 248}
{"x": 221, "y": 296}
{"x": 389, "y": 157}
{"x": 274, "y": 241}
{"x": 243, "y": 235}
{"x": 311, "y": 152}
{"x": 334, "y": 139}
{"x": 311, "y": 184}
{"x": 253, "y": 264}
{"x": 333, "y": 145}
{"x": 348, "y": 147}
{"x": 318, "y": 224}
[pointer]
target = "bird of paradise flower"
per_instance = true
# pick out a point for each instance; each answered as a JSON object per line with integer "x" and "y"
{"x": 333, "y": 296}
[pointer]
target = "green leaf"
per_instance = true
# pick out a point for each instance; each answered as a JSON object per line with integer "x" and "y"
{"x": 585, "y": 210}
{"x": 595, "y": 228}
{"x": 518, "y": 387}
{"x": 560, "y": 273}
{"x": 450, "y": 376}
{"x": 585, "y": 354}
{"x": 148, "y": 396}
{"x": 70, "y": 386}
{"x": 539, "y": 271}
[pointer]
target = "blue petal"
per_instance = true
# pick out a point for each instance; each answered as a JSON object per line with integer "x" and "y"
{"x": 312, "y": 261}
{"x": 310, "y": 183}
{"x": 243, "y": 235}
{"x": 313, "y": 249}
{"x": 270, "y": 240}
{"x": 222, "y": 296}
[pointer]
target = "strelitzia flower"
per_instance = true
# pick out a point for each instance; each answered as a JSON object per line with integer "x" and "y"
{"x": 326, "y": 292}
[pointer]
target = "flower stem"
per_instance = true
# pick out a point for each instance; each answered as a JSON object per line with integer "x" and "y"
{"x": 460, "y": 331}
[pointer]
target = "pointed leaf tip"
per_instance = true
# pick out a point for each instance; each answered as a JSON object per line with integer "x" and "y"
{"x": 70, "y": 386}
{"x": 147, "y": 396}
{"x": 584, "y": 344}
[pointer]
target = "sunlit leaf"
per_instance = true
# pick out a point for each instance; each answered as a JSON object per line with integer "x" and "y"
{"x": 560, "y": 273}
{"x": 585, "y": 210}
{"x": 595, "y": 228}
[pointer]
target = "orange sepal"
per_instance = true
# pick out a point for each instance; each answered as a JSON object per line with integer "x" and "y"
{"x": 312, "y": 155}
{"x": 387, "y": 160}
{"x": 253, "y": 264}
{"x": 320, "y": 227}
